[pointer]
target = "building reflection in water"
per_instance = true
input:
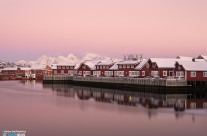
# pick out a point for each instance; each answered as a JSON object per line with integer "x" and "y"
{"x": 179, "y": 102}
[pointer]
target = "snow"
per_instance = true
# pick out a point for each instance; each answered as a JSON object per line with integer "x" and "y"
{"x": 184, "y": 58}
{"x": 164, "y": 62}
{"x": 105, "y": 63}
{"x": 144, "y": 61}
{"x": 194, "y": 66}
{"x": 114, "y": 67}
{"x": 127, "y": 62}
{"x": 13, "y": 68}
{"x": 203, "y": 56}
{"x": 91, "y": 64}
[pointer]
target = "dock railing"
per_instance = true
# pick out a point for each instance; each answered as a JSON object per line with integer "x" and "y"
{"x": 121, "y": 80}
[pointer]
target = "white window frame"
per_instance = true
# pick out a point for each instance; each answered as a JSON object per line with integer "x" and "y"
{"x": 204, "y": 74}
{"x": 63, "y": 67}
{"x": 128, "y": 66}
{"x": 120, "y": 66}
{"x": 164, "y": 73}
{"x": 97, "y": 67}
{"x": 80, "y": 72}
{"x": 143, "y": 73}
{"x": 100, "y": 67}
{"x": 193, "y": 105}
{"x": 67, "y": 67}
{"x": 62, "y": 72}
{"x": 132, "y": 66}
{"x": 124, "y": 66}
{"x": 59, "y": 67}
{"x": 192, "y": 74}
{"x": 55, "y": 72}
{"x": 205, "y": 105}
{"x": 107, "y": 67}
{"x": 104, "y": 67}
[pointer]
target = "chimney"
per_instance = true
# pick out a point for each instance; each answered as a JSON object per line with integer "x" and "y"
{"x": 193, "y": 59}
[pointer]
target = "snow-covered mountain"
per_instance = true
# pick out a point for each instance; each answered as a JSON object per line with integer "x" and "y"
{"x": 71, "y": 58}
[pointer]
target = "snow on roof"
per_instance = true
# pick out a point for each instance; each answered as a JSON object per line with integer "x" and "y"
{"x": 38, "y": 67}
{"x": 66, "y": 64}
{"x": 184, "y": 58}
{"x": 105, "y": 63}
{"x": 54, "y": 66}
{"x": 143, "y": 62}
{"x": 128, "y": 62}
{"x": 14, "y": 68}
{"x": 114, "y": 67}
{"x": 194, "y": 66}
{"x": 25, "y": 68}
{"x": 164, "y": 62}
{"x": 202, "y": 56}
{"x": 91, "y": 64}
{"x": 77, "y": 65}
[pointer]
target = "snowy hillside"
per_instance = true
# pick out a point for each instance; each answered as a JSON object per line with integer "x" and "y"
{"x": 45, "y": 60}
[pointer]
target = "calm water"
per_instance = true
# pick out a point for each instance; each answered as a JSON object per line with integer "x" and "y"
{"x": 63, "y": 110}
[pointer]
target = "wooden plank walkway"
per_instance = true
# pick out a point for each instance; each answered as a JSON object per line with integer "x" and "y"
{"x": 118, "y": 80}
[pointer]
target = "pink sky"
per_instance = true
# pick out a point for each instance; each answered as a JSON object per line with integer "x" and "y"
{"x": 156, "y": 28}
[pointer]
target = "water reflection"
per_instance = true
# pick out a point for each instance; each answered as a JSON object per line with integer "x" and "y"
{"x": 178, "y": 102}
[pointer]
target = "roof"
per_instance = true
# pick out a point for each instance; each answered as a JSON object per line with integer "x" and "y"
{"x": 66, "y": 64}
{"x": 13, "y": 68}
{"x": 128, "y": 62}
{"x": 144, "y": 61}
{"x": 203, "y": 57}
{"x": 114, "y": 67}
{"x": 194, "y": 66}
{"x": 184, "y": 58}
{"x": 105, "y": 63}
{"x": 91, "y": 64}
{"x": 164, "y": 62}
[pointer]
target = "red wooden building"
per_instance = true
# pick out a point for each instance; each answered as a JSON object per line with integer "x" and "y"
{"x": 86, "y": 68}
{"x": 63, "y": 69}
{"x": 191, "y": 70}
{"x": 162, "y": 67}
{"x": 102, "y": 69}
{"x": 125, "y": 69}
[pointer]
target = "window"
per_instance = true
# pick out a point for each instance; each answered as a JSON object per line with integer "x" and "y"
{"x": 100, "y": 67}
{"x": 205, "y": 105}
{"x": 124, "y": 66}
{"x": 80, "y": 73}
{"x": 97, "y": 67}
{"x": 67, "y": 67}
{"x": 71, "y": 67}
{"x": 155, "y": 73}
{"x": 85, "y": 73}
{"x": 132, "y": 66}
{"x": 70, "y": 72}
{"x": 193, "y": 74}
{"x": 84, "y": 66}
{"x": 193, "y": 105}
{"x": 204, "y": 74}
{"x": 120, "y": 66}
{"x": 62, "y": 71}
{"x": 143, "y": 73}
{"x": 108, "y": 73}
{"x": 164, "y": 73}
{"x": 119, "y": 73}
{"x": 107, "y": 67}
{"x": 59, "y": 67}
{"x": 96, "y": 73}
{"x": 63, "y": 67}
{"x": 179, "y": 74}
{"x": 128, "y": 66}
{"x": 55, "y": 71}
{"x": 104, "y": 67}
{"x": 133, "y": 73}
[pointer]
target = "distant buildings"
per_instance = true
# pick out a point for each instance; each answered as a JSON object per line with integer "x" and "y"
{"x": 179, "y": 68}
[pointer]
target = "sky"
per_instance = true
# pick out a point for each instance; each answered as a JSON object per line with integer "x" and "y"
{"x": 155, "y": 28}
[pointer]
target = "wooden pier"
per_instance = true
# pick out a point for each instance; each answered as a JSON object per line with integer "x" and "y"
{"x": 116, "y": 80}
